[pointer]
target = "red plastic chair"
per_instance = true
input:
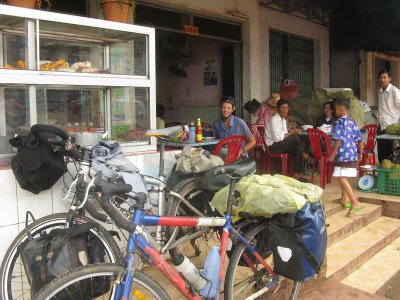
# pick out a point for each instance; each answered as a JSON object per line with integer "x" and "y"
{"x": 371, "y": 130}
{"x": 233, "y": 143}
{"x": 319, "y": 138}
{"x": 286, "y": 161}
{"x": 258, "y": 131}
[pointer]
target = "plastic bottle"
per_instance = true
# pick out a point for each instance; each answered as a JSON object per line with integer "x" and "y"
{"x": 77, "y": 127}
{"x": 68, "y": 128}
{"x": 153, "y": 199}
{"x": 211, "y": 271}
{"x": 192, "y": 133}
{"x": 184, "y": 266}
{"x": 83, "y": 127}
{"x": 199, "y": 131}
{"x": 90, "y": 127}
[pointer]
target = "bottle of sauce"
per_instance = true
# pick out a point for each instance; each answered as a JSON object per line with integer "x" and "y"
{"x": 199, "y": 131}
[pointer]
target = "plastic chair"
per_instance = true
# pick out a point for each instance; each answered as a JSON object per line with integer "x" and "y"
{"x": 286, "y": 161}
{"x": 233, "y": 143}
{"x": 320, "y": 140}
{"x": 371, "y": 130}
{"x": 258, "y": 131}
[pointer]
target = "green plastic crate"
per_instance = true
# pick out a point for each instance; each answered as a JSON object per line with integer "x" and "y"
{"x": 389, "y": 181}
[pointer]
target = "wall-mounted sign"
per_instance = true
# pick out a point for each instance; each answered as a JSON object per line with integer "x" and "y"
{"x": 210, "y": 72}
{"x": 193, "y": 30}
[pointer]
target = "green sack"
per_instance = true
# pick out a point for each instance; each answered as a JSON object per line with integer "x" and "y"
{"x": 267, "y": 195}
{"x": 299, "y": 109}
{"x": 319, "y": 96}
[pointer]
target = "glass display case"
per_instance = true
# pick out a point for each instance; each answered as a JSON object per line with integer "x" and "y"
{"x": 80, "y": 74}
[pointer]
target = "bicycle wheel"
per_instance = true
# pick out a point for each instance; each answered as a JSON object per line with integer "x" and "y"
{"x": 240, "y": 280}
{"x": 97, "y": 282}
{"x": 199, "y": 246}
{"x": 13, "y": 281}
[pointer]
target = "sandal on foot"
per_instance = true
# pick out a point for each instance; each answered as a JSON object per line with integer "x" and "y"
{"x": 354, "y": 210}
{"x": 346, "y": 205}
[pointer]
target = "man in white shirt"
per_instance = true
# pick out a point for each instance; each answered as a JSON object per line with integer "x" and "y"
{"x": 389, "y": 110}
{"x": 280, "y": 140}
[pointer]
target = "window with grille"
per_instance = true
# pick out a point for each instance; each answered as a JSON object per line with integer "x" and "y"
{"x": 291, "y": 57}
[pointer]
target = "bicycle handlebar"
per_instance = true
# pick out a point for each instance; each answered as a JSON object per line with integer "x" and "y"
{"x": 82, "y": 185}
{"x": 108, "y": 190}
{"x": 63, "y": 146}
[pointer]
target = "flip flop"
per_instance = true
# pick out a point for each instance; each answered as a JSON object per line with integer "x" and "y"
{"x": 337, "y": 201}
{"x": 355, "y": 210}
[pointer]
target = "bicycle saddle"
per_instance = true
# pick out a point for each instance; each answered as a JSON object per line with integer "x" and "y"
{"x": 238, "y": 168}
{"x": 171, "y": 132}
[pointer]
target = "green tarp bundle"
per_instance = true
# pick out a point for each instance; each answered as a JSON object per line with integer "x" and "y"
{"x": 319, "y": 96}
{"x": 267, "y": 195}
{"x": 299, "y": 110}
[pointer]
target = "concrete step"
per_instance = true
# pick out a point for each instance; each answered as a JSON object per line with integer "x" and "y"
{"x": 350, "y": 253}
{"x": 378, "y": 274}
{"x": 340, "y": 226}
{"x": 336, "y": 290}
{"x": 332, "y": 208}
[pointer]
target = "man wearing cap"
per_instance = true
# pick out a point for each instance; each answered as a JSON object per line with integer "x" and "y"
{"x": 263, "y": 111}
{"x": 280, "y": 140}
{"x": 229, "y": 125}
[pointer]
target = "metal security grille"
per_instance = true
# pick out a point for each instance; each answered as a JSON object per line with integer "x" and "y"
{"x": 275, "y": 61}
{"x": 291, "y": 57}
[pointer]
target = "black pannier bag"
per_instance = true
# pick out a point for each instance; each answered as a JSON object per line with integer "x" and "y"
{"x": 299, "y": 242}
{"x": 60, "y": 251}
{"x": 36, "y": 166}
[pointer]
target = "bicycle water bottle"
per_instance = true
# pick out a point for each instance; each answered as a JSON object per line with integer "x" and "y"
{"x": 184, "y": 266}
{"x": 211, "y": 272}
{"x": 192, "y": 133}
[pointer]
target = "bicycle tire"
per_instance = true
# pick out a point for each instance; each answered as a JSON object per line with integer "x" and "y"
{"x": 69, "y": 283}
{"x": 11, "y": 262}
{"x": 259, "y": 237}
{"x": 197, "y": 248}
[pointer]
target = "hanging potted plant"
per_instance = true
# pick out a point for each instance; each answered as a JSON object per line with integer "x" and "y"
{"x": 117, "y": 10}
{"x": 28, "y": 3}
